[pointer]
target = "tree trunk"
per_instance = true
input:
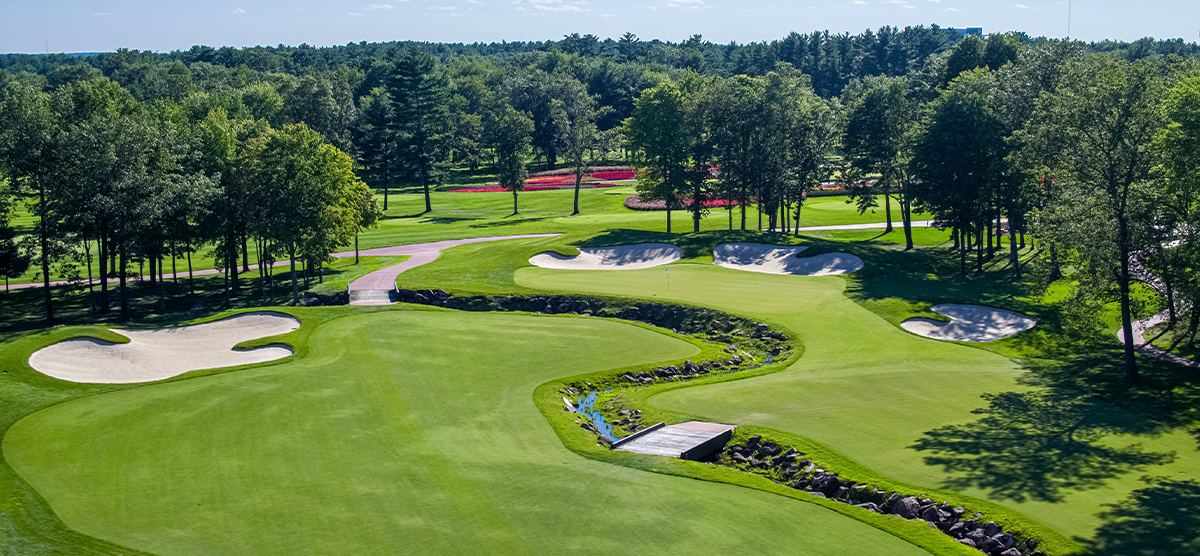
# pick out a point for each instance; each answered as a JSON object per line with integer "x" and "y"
{"x": 514, "y": 200}
{"x": 355, "y": 250}
{"x": 1131, "y": 370}
{"x": 887, "y": 208}
{"x": 578, "y": 181}
{"x": 385, "y": 195}
{"x": 45, "y": 242}
{"x": 245, "y": 253}
{"x": 104, "y": 271}
{"x": 295, "y": 286}
{"x": 906, "y": 217}
{"x": 425, "y": 183}
{"x": 988, "y": 227}
{"x": 162, "y": 289}
{"x": 124, "y": 294}
{"x": 191, "y": 277}
{"x": 174, "y": 275}
{"x": 799, "y": 206}
{"x": 1014, "y": 251}
{"x": 87, "y": 250}
{"x": 743, "y": 207}
{"x": 979, "y": 248}
{"x": 961, "y": 234}
{"x": 669, "y": 215}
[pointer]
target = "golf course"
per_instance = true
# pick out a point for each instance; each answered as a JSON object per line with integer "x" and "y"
{"x": 415, "y": 429}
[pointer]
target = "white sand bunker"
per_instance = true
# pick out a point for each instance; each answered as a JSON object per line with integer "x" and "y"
{"x": 970, "y": 323}
{"x": 621, "y": 257}
{"x": 778, "y": 259}
{"x": 163, "y": 353}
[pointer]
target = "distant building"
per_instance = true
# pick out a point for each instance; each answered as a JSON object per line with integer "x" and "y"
{"x": 977, "y": 31}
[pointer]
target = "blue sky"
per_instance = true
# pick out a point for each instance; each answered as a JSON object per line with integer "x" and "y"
{"x": 101, "y": 25}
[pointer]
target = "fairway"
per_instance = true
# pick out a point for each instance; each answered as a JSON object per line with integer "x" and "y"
{"x": 870, "y": 390}
{"x": 407, "y": 432}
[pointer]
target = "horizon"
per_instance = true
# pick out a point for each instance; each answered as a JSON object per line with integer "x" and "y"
{"x": 72, "y": 27}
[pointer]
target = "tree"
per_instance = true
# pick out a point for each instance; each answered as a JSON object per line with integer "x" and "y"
{"x": 656, "y": 132}
{"x": 535, "y": 93}
{"x": 967, "y": 55}
{"x": 1098, "y": 125}
{"x": 307, "y": 199}
{"x": 377, "y": 144}
{"x": 419, "y": 124}
{"x": 13, "y": 263}
{"x": 27, "y": 127}
{"x": 512, "y": 130}
{"x": 579, "y": 120}
{"x": 958, "y": 159}
{"x": 878, "y": 122}
{"x": 1178, "y": 148}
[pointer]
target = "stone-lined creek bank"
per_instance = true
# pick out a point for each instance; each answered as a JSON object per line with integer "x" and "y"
{"x": 746, "y": 345}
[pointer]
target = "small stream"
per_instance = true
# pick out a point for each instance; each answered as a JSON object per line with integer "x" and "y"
{"x": 586, "y": 406}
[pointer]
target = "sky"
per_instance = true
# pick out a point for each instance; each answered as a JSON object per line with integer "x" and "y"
{"x": 163, "y": 25}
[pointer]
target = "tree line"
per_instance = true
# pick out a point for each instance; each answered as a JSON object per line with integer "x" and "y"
{"x": 114, "y": 182}
{"x": 1092, "y": 153}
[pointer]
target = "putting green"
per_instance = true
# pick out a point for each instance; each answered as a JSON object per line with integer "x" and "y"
{"x": 407, "y": 432}
{"x": 870, "y": 391}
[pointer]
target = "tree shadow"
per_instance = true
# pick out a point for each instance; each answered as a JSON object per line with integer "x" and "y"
{"x": 1038, "y": 445}
{"x": 1159, "y": 520}
{"x": 445, "y": 220}
{"x": 500, "y": 223}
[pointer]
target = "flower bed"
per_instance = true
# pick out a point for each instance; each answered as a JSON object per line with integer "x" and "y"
{"x": 614, "y": 175}
{"x": 531, "y": 188}
{"x": 633, "y": 202}
{"x": 571, "y": 171}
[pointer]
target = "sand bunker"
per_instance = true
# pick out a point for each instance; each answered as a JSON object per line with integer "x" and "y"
{"x": 621, "y": 257}
{"x": 157, "y": 354}
{"x": 970, "y": 323}
{"x": 778, "y": 259}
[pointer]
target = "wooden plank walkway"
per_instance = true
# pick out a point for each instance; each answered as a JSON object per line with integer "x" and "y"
{"x": 692, "y": 440}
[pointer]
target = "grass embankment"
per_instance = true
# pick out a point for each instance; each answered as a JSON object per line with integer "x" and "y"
{"x": 394, "y": 431}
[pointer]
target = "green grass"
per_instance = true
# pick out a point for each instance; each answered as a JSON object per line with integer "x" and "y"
{"x": 394, "y": 432}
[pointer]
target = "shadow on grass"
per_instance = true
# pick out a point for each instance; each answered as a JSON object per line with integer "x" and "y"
{"x": 1039, "y": 445}
{"x": 506, "y": 222}
{"x": 1159, "y": 520}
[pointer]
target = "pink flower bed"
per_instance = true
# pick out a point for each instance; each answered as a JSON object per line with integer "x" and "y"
{"x": 571, "y": 171}
{"x": 496, "y": 189}
{"x": 614, "y": 175}
{"x": 633, "y": 202}
{"x": 529, "y": 188}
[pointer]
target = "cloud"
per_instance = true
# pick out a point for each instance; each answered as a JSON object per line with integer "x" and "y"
{"x": 239, "y": 11}
{"x": 442, "y": 8}
{"x": 1024, "y": 7}
{"x": 378, "y": 7}
{"x": 355, "y": 14}
{"x": 952, "y": 9}
{"x": 608, "y": 16}
{"x": 908, "y": 7}
{"x": 860, "y": 2}
{"x": 472, "y": 1}
{"x": 101, "y": 13}
{"x": 553, "y": 5}
{"x": 936, "y": 1}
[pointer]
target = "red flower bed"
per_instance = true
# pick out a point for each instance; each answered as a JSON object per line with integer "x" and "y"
{"x": 614, "y": 175}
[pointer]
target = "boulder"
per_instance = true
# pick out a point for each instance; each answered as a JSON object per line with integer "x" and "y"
{"x": 906, "y": 508}
{"x": 967, "y": 542}
{"x": 990, "y": 546}
{"x": 1011, "y": 552}
{"x": 870, "y": 506}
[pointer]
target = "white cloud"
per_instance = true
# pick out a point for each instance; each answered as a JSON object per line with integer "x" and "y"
{"x": 608, "y": 16}
{"x": 952, "y": 9}
{"x": 907, "y": 7}
{"x": 1022, "y": 6}
{"x": 860, "y": 2}
{"x": 936, "y": 1}
{"x": 378, "y": 7}
{"x": 473, "y": 1}
{"x": 356, "y": 14}
{"x": 454, "y": 14}
{"x": 442, "y": 8}
{"x": 239, "y": 11}
{"x": 101, "y": 13}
